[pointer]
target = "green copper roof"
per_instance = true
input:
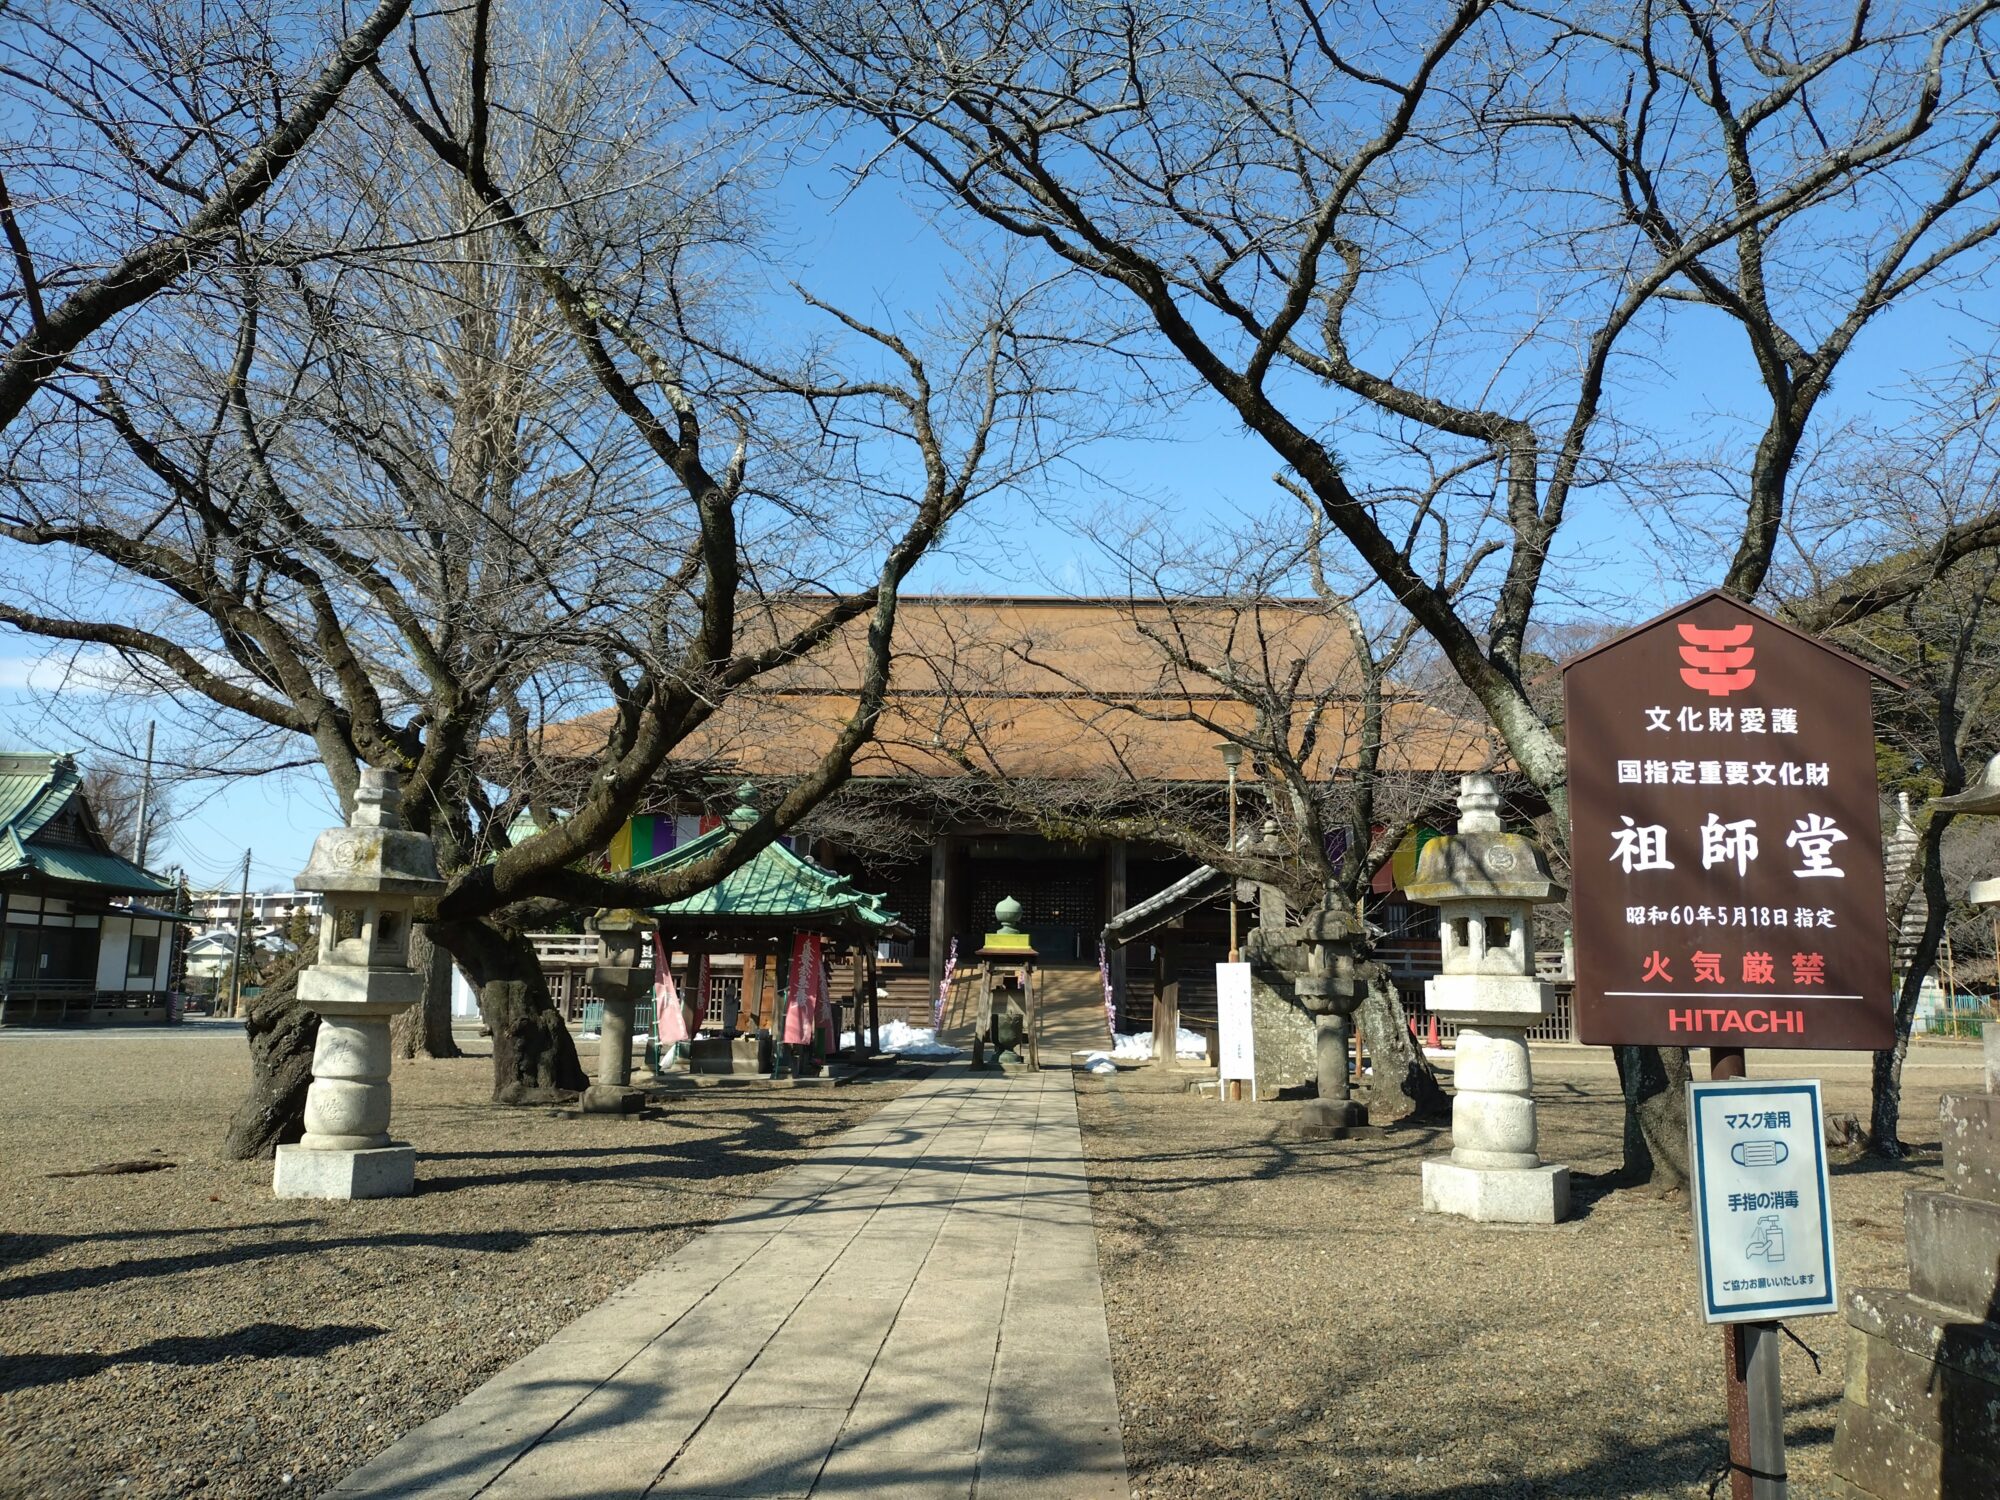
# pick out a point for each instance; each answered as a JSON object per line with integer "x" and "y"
{"x": 775, "y": 886}
{"x": 34, "y": 787}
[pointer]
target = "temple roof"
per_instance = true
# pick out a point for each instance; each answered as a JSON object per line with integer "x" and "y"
{"x": 775, "y": 889}
{"x": 1057, "y": 689}
{"x": 48, "y": 833}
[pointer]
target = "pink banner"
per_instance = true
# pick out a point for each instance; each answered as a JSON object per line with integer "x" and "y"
{"x": 806, "y": 992}
{"x": 670, "y": 1015}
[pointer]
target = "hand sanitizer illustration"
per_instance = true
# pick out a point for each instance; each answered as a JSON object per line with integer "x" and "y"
{"x": 1769, "y": 1242}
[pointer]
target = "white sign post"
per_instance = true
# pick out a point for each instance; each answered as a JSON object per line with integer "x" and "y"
{"x": 1232, "y": 1025}
{"x": 1763, "y": 1222}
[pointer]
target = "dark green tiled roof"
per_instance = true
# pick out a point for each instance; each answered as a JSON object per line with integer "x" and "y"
{"x": 775, "y": 887}
{"x": 34, "y": 787}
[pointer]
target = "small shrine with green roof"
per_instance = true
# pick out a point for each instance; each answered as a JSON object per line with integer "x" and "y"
{"x": 757, "y": 911}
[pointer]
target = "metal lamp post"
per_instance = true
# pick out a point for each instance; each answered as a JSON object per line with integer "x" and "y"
{"x": 1232, "y": 757}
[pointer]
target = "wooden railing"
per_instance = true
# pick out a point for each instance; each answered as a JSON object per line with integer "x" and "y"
{"x": 58, "y": 1002}
{"x": 568, "y": 948}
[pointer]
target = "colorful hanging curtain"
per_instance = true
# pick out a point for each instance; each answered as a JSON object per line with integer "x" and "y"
{"x": 805, "y": 991}
{"x": 670, "y": 1015}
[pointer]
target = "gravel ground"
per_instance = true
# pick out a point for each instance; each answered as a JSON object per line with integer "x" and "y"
{"x": 182, "y": 1332}
{"x": 1284, "y": 1321}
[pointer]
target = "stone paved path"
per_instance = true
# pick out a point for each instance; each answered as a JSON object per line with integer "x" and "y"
{"x": 914, "y": 1314}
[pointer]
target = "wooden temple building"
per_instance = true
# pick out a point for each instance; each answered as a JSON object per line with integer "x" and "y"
{"x": 1015, "y": 728}
{"x": 78, "y": 941}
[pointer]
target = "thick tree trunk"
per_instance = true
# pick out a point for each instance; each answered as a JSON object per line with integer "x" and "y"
{"x": 1654, "y": 1080}
{"x": 424, "y": 1030}
{"x": 1885, "y": 1112}
{"x": 534, "y": 1057}
{"x": 282, "y": 1033}
{"x": 1405, "y": 1086}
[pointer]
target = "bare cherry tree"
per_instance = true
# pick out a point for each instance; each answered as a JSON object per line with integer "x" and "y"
{"x": 140, "y": 133}
{"x": 491, "y": 438}
{"x": 1453, "y": 241}
{"x": 1880, "y": 553}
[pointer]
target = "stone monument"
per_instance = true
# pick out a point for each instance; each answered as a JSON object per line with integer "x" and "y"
{"x": 371, "y": 873}
{"x": 618, "y": 982}
{"x": 1921, "y": 1412}
{"x": 1331, "y": 990}
{"x": 1486, "y": 884}
{"x": 1006, "y": 965}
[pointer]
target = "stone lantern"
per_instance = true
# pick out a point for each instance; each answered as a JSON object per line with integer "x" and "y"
{"x": 1917, "y": 1420}
{"x": 1007, "y": 966}
{"x": 1330, "y": 990}
{"x": 619, "y": 982}
{"x": 370, "y": 874}
{"x": 1486, "y": 884}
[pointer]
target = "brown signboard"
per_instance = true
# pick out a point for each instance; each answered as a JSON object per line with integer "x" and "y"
{"x": 1725, "y": 837}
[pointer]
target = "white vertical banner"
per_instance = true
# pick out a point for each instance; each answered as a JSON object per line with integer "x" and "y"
{"x": 1238, "y": 1048}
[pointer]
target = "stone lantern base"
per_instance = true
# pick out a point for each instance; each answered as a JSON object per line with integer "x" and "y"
{"x": 613, "y": 1099}
{"x": 373, "y": 1172}
{"x": 1503, "y": 1195}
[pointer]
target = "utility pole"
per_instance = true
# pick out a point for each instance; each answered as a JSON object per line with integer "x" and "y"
{"x": 144, "y": 833}
{"x": 242, "y": 921}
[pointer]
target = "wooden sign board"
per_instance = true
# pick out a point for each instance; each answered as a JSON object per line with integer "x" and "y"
{"x": 1725, "y": 837}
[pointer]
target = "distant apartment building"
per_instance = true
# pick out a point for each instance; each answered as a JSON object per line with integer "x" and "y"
{"x": 268, "y": 909}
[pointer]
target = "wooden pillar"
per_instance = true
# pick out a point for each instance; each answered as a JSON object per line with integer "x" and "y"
{"x": 856, "y": 982}
{"x": 690, "y": 991}
{"x": 940, "y": 913}
{"x": 874, "y": 1006}
{"x": 750, "y": 1002}
{"x": 781, "y": 992}
{"x": 1166, "y": 1007}
{"x": 1117, "y": 897}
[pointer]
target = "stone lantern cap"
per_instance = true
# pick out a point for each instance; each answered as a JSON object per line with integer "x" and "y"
{"x": 620, "y": 919}
{"x": 374, "y": 853}
{"x": 1981, "y": 797}
{"x": 1482, "y": 862}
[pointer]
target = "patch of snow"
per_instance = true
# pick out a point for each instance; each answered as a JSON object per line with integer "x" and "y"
{"x": 1099, "y": 1062}
{"x": 910, "y": 1041}
{"x": 1137, "y": 1046}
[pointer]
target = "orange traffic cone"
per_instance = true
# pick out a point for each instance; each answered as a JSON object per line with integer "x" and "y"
{"x": 1433, "y": 1041}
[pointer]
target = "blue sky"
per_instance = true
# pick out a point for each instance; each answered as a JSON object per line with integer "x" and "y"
{"x": 879, "y": 255}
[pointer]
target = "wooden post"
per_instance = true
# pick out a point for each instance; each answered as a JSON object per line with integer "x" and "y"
{"x": 1166, "y": 1009}
{"x": 1750, "y": 1368}
{"x": 1116, "y": 894}
{"x": 855, "y": 987}
{"x": 1034, "y": 1017}
{"x": 874, "y": 1006}
{"x": 750, "y": 998}
{"x": 940, "y": 939}
{"x": 781, "y": 1004}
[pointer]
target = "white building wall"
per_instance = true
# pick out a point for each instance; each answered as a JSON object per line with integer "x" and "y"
{"x": 113, "y": 943}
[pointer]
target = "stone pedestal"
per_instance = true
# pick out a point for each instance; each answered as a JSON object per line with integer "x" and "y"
{"x": 1920, "y": 1419}
{"x": 612, "y": 1093}
{"x": 1519, "y": 1195}
{"x": 1495, "y": 1172}
{"x": 1335, "y": 1113}
{"x": 346, "y": 1151}
{"x": 729, "y": 1055}
{"x": 620, "y": 983}
{"x": 379, "y": 1172}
